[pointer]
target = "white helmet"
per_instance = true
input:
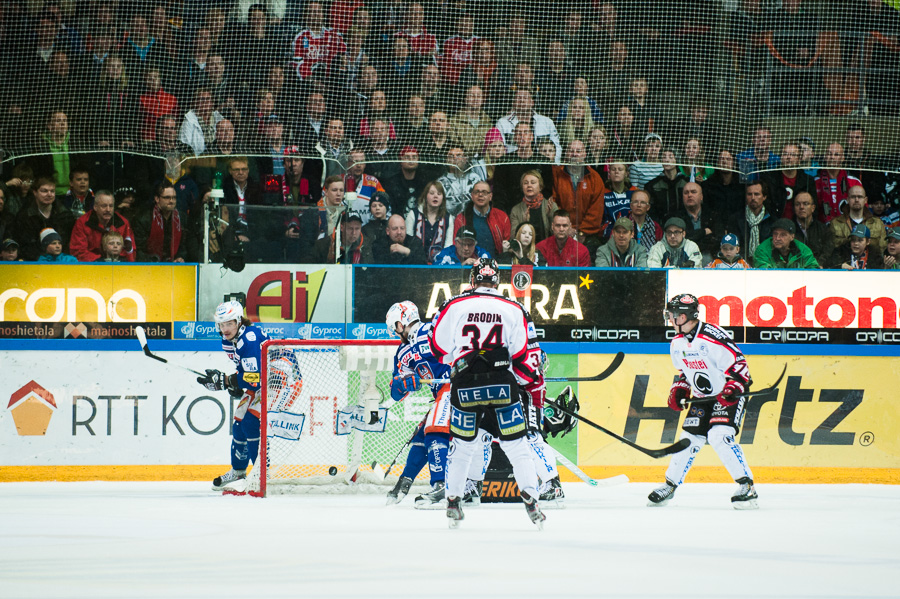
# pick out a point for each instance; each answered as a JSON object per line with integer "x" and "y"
{"x": 228, "y": 311}
{"x": 405, "y": 313}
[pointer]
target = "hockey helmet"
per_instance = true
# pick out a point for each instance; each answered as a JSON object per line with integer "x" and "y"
{"x": 405, "y": 313}
{"x": 684, "y": 303}
{"x": 228, "y": 311}
{"x": 485, "y": 270}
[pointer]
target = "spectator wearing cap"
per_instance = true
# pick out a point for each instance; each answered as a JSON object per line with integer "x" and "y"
{"x": 665, "y": 190}
{"x": 405, "y": 187}
{"x": 397, "y": 247}
{"x": 622, "y": 250}
{"x": 753, "y": 224}
{"x": 352, "y": 246}
{"x": 198, "y": 129}
{"x": 675, "y": 250}
{"x": 729, "y": 255}
{"x": 43, "y": 211}
{"x": 534, "y": 208}
{"x": 703, "y": 225}
{"x": 458, "y": 178}
{"x": 379, "y": 212}
{"x": 892, "y": 251}
{"x": 9, "y": 250}
{"x": 464, "y": 251}
{"x": 160, "y": 234}
{"x": 470, "y": 126}
{"x": 52, "y": 246}
{"x": 887, "y": 212}
{"x": 491, "y": 225}
{"x": 786, "y": 183}
{"x": 646, "y": 230}
{"x": 648, "y": 167}
{"x": 781, "y": 250}
{"x": 561, "y": 249}
{"x": 87, "y": 234}
{"x": 818, "y": 236}
{"x": 857, "y": 213}
{"x": 859, "y": 253}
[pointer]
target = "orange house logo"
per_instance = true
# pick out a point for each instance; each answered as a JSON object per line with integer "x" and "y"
{"x": 31, "y": 407}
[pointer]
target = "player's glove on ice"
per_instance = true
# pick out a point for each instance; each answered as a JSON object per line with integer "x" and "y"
{"x": 680, "y": 391}
{"x": 215, "y": 380}
{"x": 410, "y": 382}
{"x": 730, "y": 392}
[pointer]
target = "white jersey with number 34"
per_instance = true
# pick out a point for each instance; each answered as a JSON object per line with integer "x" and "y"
{"x": 708, "y": 358}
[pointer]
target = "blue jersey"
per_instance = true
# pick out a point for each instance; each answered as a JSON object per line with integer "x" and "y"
{"x": 246, "y": 353}
{"x": 416, "y": 356}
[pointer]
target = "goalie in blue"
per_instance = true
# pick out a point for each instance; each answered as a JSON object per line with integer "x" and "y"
{"x": 412, "y": 362}
{"x": 242, "y": 341}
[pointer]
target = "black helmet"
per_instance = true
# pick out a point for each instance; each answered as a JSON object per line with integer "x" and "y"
{"x": 485, "y": 270}
{"x": 684, "y": 303}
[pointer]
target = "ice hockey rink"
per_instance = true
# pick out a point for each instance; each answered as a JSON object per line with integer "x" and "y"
{"x": 179, "y": 539}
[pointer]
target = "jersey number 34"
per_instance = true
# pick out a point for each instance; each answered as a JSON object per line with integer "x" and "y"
{"x": 494, "y": 337}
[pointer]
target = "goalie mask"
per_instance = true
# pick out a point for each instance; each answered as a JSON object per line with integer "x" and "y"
{"x": 405, "y": 313}
{"x": 557, "y": 422}
{"x": 485, "y": 270}
{"x": 228, "y": 311}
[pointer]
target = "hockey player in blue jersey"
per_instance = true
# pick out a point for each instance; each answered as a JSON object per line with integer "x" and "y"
{"x": 242, "y": 341}
{"x": 412, "y": 362}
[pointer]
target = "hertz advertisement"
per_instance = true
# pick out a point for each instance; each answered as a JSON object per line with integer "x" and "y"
{"x": 833, "y": 419}
{"x": 94, "y": 301}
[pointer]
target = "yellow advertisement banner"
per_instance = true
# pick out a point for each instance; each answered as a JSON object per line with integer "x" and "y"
{"x": 97, "y": 293}
{"x": 830, "y": 412}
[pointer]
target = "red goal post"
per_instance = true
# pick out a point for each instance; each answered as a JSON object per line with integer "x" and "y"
{"x": 315, "y": 434}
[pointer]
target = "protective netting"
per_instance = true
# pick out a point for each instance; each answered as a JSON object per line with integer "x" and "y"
{"x": 317, "y": 404}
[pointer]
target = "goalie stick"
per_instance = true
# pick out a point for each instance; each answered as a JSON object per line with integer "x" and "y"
{"x": 767, "y": 391}
{"x": 142, "y": 338}
{"x": 653, "y": 453}
{"x": 594, "y": 482}
{"x": 616, "y": 362}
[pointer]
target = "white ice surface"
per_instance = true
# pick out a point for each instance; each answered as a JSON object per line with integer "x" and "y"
{"x": 161, "y": 540}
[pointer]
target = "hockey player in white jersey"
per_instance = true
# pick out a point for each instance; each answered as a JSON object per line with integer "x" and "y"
{"x": 487, "y": 338}
{"x": 711, "y": 366}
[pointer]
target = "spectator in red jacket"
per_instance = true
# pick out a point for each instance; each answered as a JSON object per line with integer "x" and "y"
{"x": 87, "y": 234}
{"x": 562, "y": 249}
{"x": 490, "y": 224}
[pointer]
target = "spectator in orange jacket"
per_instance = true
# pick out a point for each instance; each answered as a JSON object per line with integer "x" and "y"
{"x": 87, "y": 234}
{"x": 562, "y": 249}
{"x": 578, "y": 189}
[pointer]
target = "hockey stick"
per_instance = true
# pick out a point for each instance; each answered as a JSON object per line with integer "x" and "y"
{"x": 142, "y": 338}
{"x": 405, "y": 445}
{"x": 653, "y": 453}
{"x": 767, "y": 391}
{"x": 616, "y": 362}
{"x": 602, "y": 482}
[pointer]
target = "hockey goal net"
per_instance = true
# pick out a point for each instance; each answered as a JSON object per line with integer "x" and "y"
{"x": 315, "y": 428}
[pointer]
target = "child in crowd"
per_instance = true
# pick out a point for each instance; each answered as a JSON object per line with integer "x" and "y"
{"x": 111, "y": 245}
{"x": 53, "y": 248}
{"x": 729, "y": 254}
{"x": 9, "y": 251}
{"x": 892, "y": 251}
{"x": 888, "y": 214}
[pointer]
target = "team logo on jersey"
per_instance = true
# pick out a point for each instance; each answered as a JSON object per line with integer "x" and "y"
{"x": 31, "y": 407}
{"x": 702, "y": 383}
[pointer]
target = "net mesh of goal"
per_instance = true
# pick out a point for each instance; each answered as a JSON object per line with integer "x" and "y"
{"x": 189, "y": 81}
{"x": 316, "y": 434}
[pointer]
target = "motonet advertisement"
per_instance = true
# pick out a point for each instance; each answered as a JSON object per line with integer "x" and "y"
{"x": 797, "y": 306}
{"x": 835, "y": 413}
{"x": 94, "y": 301}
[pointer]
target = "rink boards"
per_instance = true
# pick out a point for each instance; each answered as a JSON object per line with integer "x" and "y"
{"x": 113, "y": 414}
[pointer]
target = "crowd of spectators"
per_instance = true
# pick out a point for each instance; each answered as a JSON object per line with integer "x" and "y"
{"x": 407, "y": 132}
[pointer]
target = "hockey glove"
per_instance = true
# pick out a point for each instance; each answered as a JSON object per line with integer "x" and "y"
{"x": 557, "y": 422}
{"x": 730, "y": 393}
{"x": 678, "y": 394}
{"x": 409, "y": 383}
{"x": 215, "y": 380}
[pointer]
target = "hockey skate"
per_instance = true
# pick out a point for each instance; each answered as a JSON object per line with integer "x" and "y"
{"x": 472, "y": 497}
{"x": 400, "y": 490}
{"x": 434, "y": 499}
{"x": 662, "y": 495}
{"x": 534, "y": 510}
{"x": 454, "y": 512}
{"x": 553, "y": 494}
{"x": 745, "y": 497}
{"x": 221, "y": 482}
